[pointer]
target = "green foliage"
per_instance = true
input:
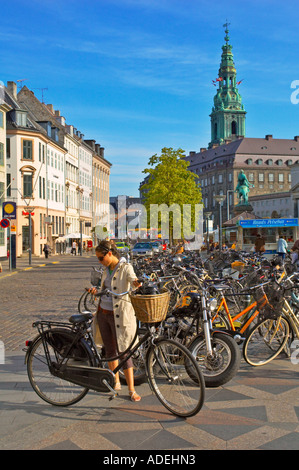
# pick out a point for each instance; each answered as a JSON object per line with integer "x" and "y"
{"x": 170, "y": 182}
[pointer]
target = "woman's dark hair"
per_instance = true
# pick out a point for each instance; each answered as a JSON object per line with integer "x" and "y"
{"x": 107, "y": 245}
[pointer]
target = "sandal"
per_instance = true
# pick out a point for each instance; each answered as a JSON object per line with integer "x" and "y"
{"x": 117, "y": 386}
{"x": 134, "y": 396}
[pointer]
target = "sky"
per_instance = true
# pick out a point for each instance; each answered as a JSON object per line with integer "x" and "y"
{"x": 136, "y": 75}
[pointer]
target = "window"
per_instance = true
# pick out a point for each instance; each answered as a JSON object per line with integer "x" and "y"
{"x": 270, "y": 161}
{"x": 279, "y": 162}
{"x": 261, "y": 177}
{"x": 280, "y": 177}
{"x": 220, "y": 178}
{"x": 1, "y": 154}
{"x": 27, "y": 150}
{"x": 21, "y": 118}
{"x": 234, "y": 128}
{"x": 7, "y": 148}
{"x": 271, "y": 177}
{"x": 259, "y": 161}
{"x": 251, "y": 177}
{"x": 1, "y": 119}
{"x": 27, "y": 185}
{"x": 249, "y": 161}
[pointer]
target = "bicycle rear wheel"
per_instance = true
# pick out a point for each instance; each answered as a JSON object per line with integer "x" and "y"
{"x": 265, "y": 341}
{"x": 175, "y": 377}
{"x": 50, "y": 388}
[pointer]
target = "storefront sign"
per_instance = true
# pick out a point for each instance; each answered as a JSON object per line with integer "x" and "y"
{"x": 268, "y": 223}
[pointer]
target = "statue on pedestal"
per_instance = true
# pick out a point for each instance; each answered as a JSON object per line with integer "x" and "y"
{"x": 243, "y": 188}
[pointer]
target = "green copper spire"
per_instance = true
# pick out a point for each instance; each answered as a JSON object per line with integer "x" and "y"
{"x": 228, "y": 113}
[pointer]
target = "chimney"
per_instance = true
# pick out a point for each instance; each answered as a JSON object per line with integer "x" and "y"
{"x": 269, "y": 137}
{"x": 57, "y": 113}
{"x": 203, "y": 149}
{"x": 70, "y": 129}
{"x": 98, "y": 147}
{"x": 51, "y": 108}
{"x": 91, "y": 143}
{"x": 102, "y": 150}
{"x": 296, "y": 138}
{"x": 12, "y": 89}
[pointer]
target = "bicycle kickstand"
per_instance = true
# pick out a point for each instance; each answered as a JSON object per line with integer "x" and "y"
{"x": 114, "y": 393}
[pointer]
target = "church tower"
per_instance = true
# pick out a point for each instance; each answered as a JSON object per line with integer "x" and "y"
{"x": 228, "y": 113}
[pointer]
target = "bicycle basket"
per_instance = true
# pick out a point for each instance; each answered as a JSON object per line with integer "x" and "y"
{"x": 273, "y": 307}
{"x": 151, "y": 308}
{"x": 95, "y": 277}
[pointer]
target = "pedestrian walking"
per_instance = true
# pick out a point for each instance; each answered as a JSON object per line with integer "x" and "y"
{"x": 46, "y": 250}
{"x": 74, "y": 248}
{"x": 259, "y": 244}
{"x": 282, "y": 247}
{"x": 115, "y": 316}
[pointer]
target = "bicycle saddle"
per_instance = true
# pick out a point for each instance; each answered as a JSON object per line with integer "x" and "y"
{"x": 81, "y": 317}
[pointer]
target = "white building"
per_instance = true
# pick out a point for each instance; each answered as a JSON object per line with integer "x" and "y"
{"x": 4, "y": 108}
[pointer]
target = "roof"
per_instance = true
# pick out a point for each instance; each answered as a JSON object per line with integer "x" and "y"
{"x": 258, "y": 147}
{"x": 242, "y": 216}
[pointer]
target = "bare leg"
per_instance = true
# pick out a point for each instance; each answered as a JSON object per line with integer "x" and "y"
{"x": 129, "y": 374}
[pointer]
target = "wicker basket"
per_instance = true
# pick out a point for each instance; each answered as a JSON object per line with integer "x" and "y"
{"x": 151, "y": 308}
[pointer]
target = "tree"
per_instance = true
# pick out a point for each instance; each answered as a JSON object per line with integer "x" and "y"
{"x": 172, "y": 187}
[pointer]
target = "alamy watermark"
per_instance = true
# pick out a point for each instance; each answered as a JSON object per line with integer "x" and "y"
{"x": 136, "y": 221}
{"x": 295, "y": 93}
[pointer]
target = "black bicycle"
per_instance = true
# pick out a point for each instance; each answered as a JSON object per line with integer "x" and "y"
{"x": 63, "y": 364}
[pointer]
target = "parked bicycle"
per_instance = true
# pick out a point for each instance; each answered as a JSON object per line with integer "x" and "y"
{"x": 63, "y": 364}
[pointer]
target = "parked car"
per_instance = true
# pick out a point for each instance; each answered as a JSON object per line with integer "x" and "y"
{"x": 157, "y": 246}
{"x": 142, "y": 248}
{"x": 122, "y": 247}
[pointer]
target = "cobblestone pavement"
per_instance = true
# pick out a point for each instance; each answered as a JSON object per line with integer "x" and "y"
{"x": 257, "y": 409}
{"x": 47, "y": 289}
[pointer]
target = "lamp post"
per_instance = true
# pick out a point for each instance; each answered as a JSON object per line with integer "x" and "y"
{"x": 227, "y": 202}
{"x": 208, "y": 215}
{"x": 220, "y": 198}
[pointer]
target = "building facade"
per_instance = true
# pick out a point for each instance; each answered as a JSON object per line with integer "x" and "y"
{"x": 4, "y": 108}
{"x": 49, "y": 173}
{"x": 266, "y": 161}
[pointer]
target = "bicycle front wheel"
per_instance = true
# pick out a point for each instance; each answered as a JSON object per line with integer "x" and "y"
{"x": 265, "y": 341}
{"x": 175, "y": 377}
{"x": 50, "y": 388}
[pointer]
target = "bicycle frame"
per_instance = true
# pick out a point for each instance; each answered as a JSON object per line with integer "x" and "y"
{"x": 231, "y": 319}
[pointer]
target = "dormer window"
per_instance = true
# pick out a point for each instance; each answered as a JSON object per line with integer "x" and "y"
{"x": 270, "y": 161}
{"x": 289, "y": 162}
{"x": 279, "y": 162}
{"x": 259, "y": 161}
{"x": 249, "y": 161}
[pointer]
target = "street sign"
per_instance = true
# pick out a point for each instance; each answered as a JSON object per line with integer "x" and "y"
{"x": 4, "y": 223}
{"x": 268, "y": 223}
{"x": 9, "y": 210}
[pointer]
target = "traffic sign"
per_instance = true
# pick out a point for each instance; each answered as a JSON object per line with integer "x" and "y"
{"x": 4, "y": 223}
{"x": 9, "y": 210}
